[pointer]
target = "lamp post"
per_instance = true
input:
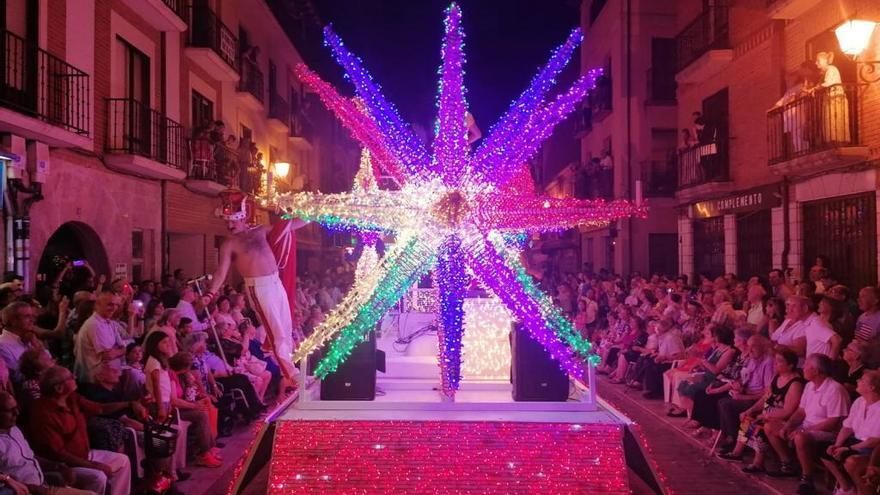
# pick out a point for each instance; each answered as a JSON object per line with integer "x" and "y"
{"x": 854, "y": 37}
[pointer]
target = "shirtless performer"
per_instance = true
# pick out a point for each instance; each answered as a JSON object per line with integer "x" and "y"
{"x": 248, "y": 248}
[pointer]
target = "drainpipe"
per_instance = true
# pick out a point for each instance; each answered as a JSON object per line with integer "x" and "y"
{"x": 786, "y": 225}
{"x": 629, "y": 150}
{"x": 18, "y": 227}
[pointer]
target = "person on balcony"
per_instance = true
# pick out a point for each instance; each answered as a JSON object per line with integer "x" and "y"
{"x": 795, "y": 137}
{"x": 834, "y": 103}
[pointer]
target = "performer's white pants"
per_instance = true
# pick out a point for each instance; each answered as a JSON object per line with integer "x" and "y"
{"x": 269, "y": 299}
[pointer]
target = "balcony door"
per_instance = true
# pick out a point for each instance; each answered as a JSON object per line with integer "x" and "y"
{"x": 18, "y": 54}
{"x": 134, "y": 72}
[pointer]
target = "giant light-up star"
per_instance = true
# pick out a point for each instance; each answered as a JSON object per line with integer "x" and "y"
{"x": 459, "y": 212}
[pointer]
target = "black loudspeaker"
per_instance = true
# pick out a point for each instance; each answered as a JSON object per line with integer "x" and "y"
{"x": 355, "y": 379}
{"x": 534, "y": 374}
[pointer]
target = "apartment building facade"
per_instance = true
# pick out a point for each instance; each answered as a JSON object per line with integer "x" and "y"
{"x": 103, "y": 110}
{"x": 627, "y": 133}
{"x": 778, "y": 171}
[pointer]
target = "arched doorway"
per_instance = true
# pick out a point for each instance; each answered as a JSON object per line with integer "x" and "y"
{"x": 72, "y": 241}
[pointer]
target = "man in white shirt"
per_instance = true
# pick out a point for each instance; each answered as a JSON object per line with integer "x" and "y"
{"x": 791, "y": 334}
{"x": 821, "y": 338}
{"x": 99, "y": 341}
{"x": 187, "y": 310}
{"x": 848, "y": 457}
{"x": 824, "y": 404}
{"x": 19, "y": 464}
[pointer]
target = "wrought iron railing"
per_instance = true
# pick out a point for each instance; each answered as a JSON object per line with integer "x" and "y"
{"x": 279, "y": 109}
{"x": 251, "y": 79}
{"x": 42, "y": 85}
{"x": 703, "y": 163}
{"x": 135, "y": 128}
{"x": 709, "y": 31}
{"x": 212, "y": 161}
{"x": 206, "y": 30}
{"x": 821, "y": 120}
{"x": 178, "y": 6}
{"x": 661, "y": 84}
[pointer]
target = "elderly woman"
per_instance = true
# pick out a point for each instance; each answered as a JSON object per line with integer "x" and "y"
{"x": 673, "y": 377}
{"x": 723, "y": 355}
{"x": 779, "y": 402}
{"x": 706, "y": 403}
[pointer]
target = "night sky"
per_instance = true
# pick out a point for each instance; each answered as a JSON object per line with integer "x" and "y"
{"x": 399, "y": 40}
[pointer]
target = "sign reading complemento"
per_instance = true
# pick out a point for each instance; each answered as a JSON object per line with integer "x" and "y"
{"x": 751, "y": 200}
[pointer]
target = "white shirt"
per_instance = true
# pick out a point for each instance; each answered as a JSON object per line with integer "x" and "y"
{"x": 11, "y": 349}
{"x": 669, "y": 344}
{"x": 819, "y": 336}
{"x": 97, "y": 335}
{"x": 788, "y": 332}
{"x": 17, "y": 459}
{"x": 163, "y": 395}
{"x": 829, "y": 400}
{"x": 188, "y": 311}
{"x": 756, "y": 315}
{"x": 864, "y": 419}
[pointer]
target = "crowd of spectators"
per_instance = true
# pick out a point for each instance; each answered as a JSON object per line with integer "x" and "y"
{"x": 90, "y": 364}
{"x": 780, "y": 372}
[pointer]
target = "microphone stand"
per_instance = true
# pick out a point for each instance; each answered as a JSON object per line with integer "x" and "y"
{"x": 213, "y": 325}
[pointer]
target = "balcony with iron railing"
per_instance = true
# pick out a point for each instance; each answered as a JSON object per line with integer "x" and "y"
{"x": 39, "y": 87}
{"x": 703, "y": 46}
{"x": 212, "y": 167}
{"x": 301, "y": 132}
{"x": 279, "y": 112}
{"x": 703, "y": 169}
{"x": 815, "y": 131}
{"x": 143, "y": 141}
{"x": 211, "y": 44}
{"x": 250, "y": 85}
{"x": 163, "y": 15}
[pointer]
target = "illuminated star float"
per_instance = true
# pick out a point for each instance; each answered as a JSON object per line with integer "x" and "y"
{"x": 459, "y": 212}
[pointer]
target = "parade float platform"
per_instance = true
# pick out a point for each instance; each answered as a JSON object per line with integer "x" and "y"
{"x": 410, "y": 440}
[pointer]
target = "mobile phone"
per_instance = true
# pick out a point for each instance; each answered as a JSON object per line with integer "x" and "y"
{"x": 79, "y": 263}
{"x": 138, "y": 304}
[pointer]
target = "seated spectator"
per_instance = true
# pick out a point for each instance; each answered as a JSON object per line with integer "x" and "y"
{"x": 188, "y": 310}
{"x": 107, "y": 431}
{"x": 19, "y": 464}
{"x": 59, "y": 433}
{"x": 19, "y": 335}
{"x": 693, "y": 355}
{"x": 134, "y": 381}
{"x": 98, "y": 340}
{"x": 184, "y": 328}
{"x": 868, "y": 323}
{"x": 754, "y": 379}
{"x": 159, "y": 385}
{"x": 821, "y": 338}
{"x": 774, "y": 309}
{"x": 834, "y": 314}
{"x": 669, "y": 348}
{"x": 854, "y": 356}
{"x": 779, "y": 402}
{"x": 214, "y": 371}
{"x": 813, "y": 426}
{"x": 154, "y": 311}
{"x": 705, "y": 409}
{"x": 193, "y": 405}
{"x": 222, "y": 313}
{"x": 33, "y": 363}
{"x": 792, "y": 334}
{"x": 167, "y": 324}
{"x": 755, "y": 300}
{"x": 847, "y": 458}
{"x": 723, "y": 355}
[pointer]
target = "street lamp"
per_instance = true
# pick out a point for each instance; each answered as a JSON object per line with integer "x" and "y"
{"x": 854, "y": 37}
{"x": 282, "y": 169}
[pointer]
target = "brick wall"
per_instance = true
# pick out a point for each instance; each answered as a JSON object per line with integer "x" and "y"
{"x": 101, "y": 76}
